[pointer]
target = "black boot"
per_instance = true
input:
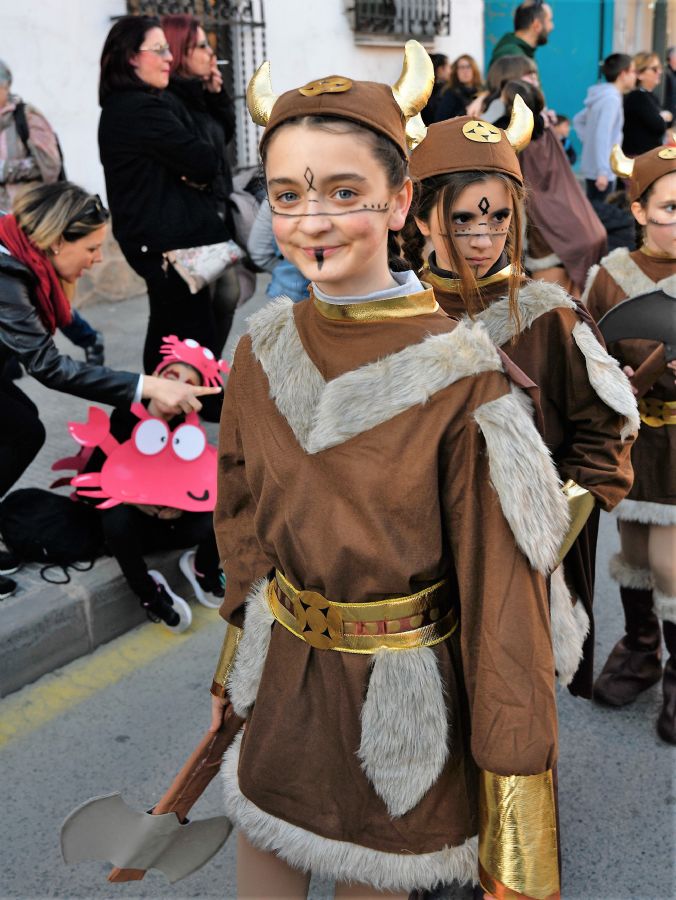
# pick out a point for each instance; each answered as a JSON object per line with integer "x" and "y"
{"x": 666, "y": 722}
{"x": 634, "y": 663}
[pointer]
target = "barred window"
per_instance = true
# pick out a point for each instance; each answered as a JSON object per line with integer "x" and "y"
{"x": 398, "y": 20}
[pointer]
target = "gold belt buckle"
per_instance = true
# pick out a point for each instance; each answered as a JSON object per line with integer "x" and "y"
{"x": 320, "y": 623}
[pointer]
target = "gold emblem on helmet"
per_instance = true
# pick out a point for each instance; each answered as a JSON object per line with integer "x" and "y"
{"x": 667, "y": 153}
{"x": 481, "y": 132}
{"x": 332, "y": 84}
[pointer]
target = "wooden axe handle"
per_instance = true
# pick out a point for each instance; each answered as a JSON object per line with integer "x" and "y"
{"x": 652, "y": 368}
{"x": 189, "y": 785}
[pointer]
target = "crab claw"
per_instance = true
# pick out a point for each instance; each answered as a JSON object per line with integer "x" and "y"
{"x": 92, "y": 432}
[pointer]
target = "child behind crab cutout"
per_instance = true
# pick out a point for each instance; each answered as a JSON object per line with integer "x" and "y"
{"x": 132, "y": 530}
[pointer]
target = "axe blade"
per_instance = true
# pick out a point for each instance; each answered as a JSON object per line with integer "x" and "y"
{"x": 106, "y": 828}
{"x": 650, "y": 316}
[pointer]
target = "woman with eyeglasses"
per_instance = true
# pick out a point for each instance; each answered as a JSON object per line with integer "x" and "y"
{"x": 53, "y": 235}
{"x": 159, "y": 171}
{"x": 644, "y": 122}
{"x": 463, "y": 87}
{"x": 197, "y": 91}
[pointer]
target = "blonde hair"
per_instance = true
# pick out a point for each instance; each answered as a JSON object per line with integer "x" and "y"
{"x": 644, "y": 59}
{"x": 49, "y": 212}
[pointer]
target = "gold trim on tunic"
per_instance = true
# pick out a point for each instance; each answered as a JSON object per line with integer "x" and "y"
{"x": 226, "y": 660}
{"x": 420, "y": 304}
{"x": 657, "y": 413}
{"x": 655, "y": 254}
{"x": 518, "y": 846}
{"x": 454, "y": 285}
{"x": 401, "y": 623}
{"x": 580, "y": 506}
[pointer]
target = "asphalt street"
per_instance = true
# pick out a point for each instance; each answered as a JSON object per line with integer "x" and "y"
{"x": 126, "y": 717}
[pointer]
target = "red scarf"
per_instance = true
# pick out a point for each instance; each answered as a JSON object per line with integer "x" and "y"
{"x": 52, "y": 304}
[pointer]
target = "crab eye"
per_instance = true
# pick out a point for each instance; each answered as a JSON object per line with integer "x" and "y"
{"x": 188, "y": 442}
{"x": 151, "y": 437}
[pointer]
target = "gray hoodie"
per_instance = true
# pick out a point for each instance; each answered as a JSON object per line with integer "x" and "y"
{"x": 599, "y": 126}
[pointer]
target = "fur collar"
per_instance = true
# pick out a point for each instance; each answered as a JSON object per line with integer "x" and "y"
{"x": 535, "y": 299}
{"x": 632, "y": 279}
{"x": 323, "y": 415}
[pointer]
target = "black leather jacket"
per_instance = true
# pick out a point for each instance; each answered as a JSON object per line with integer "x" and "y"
{"x": 22, "y": 334}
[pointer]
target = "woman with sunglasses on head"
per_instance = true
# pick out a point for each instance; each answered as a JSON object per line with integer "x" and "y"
{"x": 197, "y": 90}
{"x": 158, "y": 172}
{"x": 54, "y": 234}
{"x": 468, "y": 202}
{"x": 644, "y": 122}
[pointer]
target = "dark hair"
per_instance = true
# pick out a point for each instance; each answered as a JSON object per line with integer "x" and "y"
{"x": 560, "y": 119}
{"x": 442, "y": 191}
{"x": 476, "y": 72}
{"x": 123, "y": 41}
{"x": 181, "y": 34}
{"x": 504, "y": 69}
{"x": 532, "y": 97}
{"x": 643, "y": 200}
{"x": 614, "y": 65}
{"x": 527, "y": 13}
{"x": 438, "y": 60}
{"x": 385, "y": 151}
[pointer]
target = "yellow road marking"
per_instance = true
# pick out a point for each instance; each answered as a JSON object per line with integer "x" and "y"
{"x": 54, "y": 694}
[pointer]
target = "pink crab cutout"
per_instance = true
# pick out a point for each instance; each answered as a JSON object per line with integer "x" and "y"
{"x": 155, "y": 467}
{"x": 193, "y": 354}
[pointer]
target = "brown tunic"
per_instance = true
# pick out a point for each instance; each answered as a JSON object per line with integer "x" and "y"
{"x": 581, "y": 431}
{"x": 654, "y": 453}
{"x": 383, "y": 512}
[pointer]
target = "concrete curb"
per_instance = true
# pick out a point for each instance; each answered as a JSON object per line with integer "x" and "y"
{"x": 45, "y": 626}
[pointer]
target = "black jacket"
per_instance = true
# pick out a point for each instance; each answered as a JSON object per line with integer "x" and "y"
{"x": 153, "y": 162}
{"x": 644, "y": 127}
{"x": 213, "y": 117}
{"x": 453, "y": 102}
{"x": 23, "y": 335}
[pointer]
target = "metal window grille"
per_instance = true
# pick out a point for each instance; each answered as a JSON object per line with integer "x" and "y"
{"x": 399, "y": 20}
{"x": 236, "y": 31}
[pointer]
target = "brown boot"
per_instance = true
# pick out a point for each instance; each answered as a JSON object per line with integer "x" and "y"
{"x": 666, "y": 722}
{"x": 634, "y": 663}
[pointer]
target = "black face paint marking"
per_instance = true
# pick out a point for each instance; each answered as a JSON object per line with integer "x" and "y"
{"x": 484, "y": 205}
{"x": 319, "y": 256}
{"x": 661, "y": 224}
{"x": 348, "y": 212}
{"x": 309, "y": 177}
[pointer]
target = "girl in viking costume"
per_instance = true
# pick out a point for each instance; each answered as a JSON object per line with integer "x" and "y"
{"x": 388, "y": 638}
{"x": 645, "y": 568}
{"x": 468, "y": 201}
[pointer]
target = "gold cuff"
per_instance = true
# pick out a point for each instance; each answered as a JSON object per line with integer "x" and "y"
{"x": 226, "y": 660}
{"x": 518, "y": 850}
{"x": 580, "y": 506}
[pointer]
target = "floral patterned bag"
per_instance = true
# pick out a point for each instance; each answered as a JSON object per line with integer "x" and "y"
{"x": 199, "y": 266}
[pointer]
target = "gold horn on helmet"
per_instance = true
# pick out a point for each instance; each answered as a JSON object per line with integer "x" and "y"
{"x": 520, "y": 126}
{"x": 413, "y": 88}
{"x": 621, "y": 164}
{"x": 259, "y": 96}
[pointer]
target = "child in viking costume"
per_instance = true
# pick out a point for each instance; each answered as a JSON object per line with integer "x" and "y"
{"x": 644, "y": 568}
{"x": 468, "y": 201}
{"x": 387, "y": 513}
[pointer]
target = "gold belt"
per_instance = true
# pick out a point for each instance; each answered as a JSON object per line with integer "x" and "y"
{"x": 657, "y": 413}
{"x": 419, "y": 620}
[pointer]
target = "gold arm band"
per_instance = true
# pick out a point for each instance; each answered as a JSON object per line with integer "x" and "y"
{"x": 580, "y": 506}
{"x": 233, "y": 635}
{"x": 518, "y": 849}
{"x": 418, "y": 620}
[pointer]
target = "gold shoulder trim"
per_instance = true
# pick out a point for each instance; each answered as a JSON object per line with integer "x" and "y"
{"x": 454, "y": 285}
{"x": 655, "y": 253}
{"x": 420, "y": 304}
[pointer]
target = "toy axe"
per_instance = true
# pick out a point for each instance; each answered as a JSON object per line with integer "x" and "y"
{"x": 106, "y": 828}
{"x": 652, "y": 317}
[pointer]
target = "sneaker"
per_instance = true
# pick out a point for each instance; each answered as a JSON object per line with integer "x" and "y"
{"x": 7, "y": 587}
{"x": 199, "y": 583}
{"x": 167, "y": 607}
{"x": 9, "y": 564}
{"x": 95, "y": 352}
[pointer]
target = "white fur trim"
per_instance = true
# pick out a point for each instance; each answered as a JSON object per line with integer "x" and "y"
{"x": 665, "y": 606}
{"x": 535, "y": 299}
{"x": 366, "y": 397}
{"x": 608, "y": 379}
{"x": 295, "y": 382}
{"x": 252, "y": 651}
{"x": 541, "y": 263}
{"x": 525, "y": 478}
{"x": 626, "y": 273}
{"x": 340, "y": 860}
{"x": 629, "y": 576}
{"x": 646, "y": 512}
{"x": 570, "y": 627}
{"x": 404, "y": 727}
{"x": 591, "y": 275}
{"x": 668, "y": 285}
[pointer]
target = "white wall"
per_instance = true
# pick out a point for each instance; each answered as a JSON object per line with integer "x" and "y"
{"x": 53, "y": 48}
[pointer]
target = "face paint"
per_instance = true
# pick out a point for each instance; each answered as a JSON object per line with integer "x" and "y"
{"x": 483, "y": 205}
{"x": 309, "y": 179}
{"x": 319, "y": 256}
{"x": 376, "y": 208}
